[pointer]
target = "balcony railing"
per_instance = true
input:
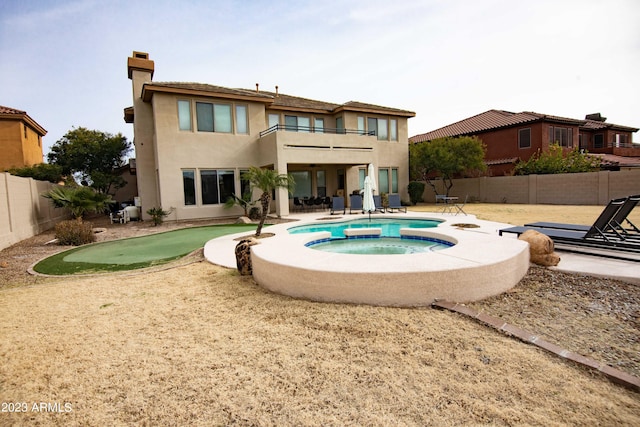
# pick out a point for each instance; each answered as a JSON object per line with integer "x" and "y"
{"x": 308, "y": 129}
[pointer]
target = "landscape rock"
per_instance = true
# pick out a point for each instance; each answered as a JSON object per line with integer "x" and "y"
{"x": 541, "y": 248}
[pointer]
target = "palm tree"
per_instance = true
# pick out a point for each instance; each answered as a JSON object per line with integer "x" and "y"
{"x": 267, "y": 180}
{"x": 80, "y": 200}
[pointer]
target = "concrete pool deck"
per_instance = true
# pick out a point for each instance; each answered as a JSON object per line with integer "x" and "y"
{"x": 481, "y": 264}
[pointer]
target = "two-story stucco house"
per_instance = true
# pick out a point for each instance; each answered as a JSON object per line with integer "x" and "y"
{"x": 193, "y": 141}
{"x": 20, "y": 139}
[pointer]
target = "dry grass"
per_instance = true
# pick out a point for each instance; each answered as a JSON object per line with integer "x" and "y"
{"x": 198, "y": 344}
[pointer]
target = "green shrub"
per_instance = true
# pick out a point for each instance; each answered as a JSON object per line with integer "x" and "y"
{"x": 74, "y": 232}
{"x": 158, "y": 215}
{"x": 416, "y": 190}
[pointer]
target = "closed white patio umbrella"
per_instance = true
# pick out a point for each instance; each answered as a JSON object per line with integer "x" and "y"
{"x": 371, "y": 173}
{"x": 368, "y": 205}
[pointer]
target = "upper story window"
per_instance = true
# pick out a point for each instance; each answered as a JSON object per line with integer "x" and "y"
{"x": 318, "y": 125}
{"x": 339, "y": 125}
{"x": 361, "y": 129}
{"x": 274, "y": 120}
{"x": 184, "y": 115}
{"x": 561, "y": 136}
{"x": 213, "y": 117}
{"x": 393, "y": 130}
{"x": 378, "y": 127}
{"x": 297, "y": 123}
{"x": 524, "y": 138}
{"x": 242, "y": 124}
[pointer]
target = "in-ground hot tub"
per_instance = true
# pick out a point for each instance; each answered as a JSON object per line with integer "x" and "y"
{"x": 477, "y": 264}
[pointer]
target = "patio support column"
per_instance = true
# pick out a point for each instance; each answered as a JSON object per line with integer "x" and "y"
{"x": 282, "y": 194}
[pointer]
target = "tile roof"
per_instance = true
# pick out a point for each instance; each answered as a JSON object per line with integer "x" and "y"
{"x": 489, "y": 120}
{"x": 203, "y": 88}
{"x": 596, "y": 125}
{"x": 622, "y": 161}
{"x": 7, "y": 110}
{"x": 496, "y": 119}
{"x": 275, "y": 101}
{"x": 288, "y": 101}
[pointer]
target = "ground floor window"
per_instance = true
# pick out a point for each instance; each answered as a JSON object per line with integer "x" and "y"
{"x": 388, "y": 180}
{"x": 189, "y": 186}
{"x": 215, "y": 186}
{"x": 303, "y": 183}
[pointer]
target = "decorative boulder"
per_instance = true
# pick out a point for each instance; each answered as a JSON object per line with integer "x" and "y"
{"x": 541, "y": 248}
{"x": 243, "y": 256}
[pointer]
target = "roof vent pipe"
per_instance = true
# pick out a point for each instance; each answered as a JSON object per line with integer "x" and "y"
{"x": 257, "y": 87}
{"x": 276, "y": 90}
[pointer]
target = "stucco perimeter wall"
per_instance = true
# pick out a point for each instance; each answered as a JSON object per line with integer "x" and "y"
{"x": 23, "y": 212}
{"x": 593, "y": 188}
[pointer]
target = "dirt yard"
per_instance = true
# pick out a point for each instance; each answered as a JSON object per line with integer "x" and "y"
{"x": 198, "y": 344}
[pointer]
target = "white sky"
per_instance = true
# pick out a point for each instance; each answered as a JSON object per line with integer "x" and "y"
{"x": 65, "y": 62}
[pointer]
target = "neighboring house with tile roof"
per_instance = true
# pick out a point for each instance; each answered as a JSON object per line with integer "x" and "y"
{"x": 511, "y": 137}
{"x": 20, "y": 139}
{"x": 194, "y": 140}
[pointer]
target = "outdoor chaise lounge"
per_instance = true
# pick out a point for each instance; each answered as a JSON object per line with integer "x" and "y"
{"x": 355, "y": 203}
{"x": 377, "y": 201}
{"x": 394, "y": 204}
{"x": 337, "y": 205}
{"x": 599, "y": 235}
{"x": 618, "y": 225}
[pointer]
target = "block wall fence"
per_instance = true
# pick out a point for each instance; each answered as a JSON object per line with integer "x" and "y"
{"x": 24, "y": 212}
{"x": 592, "y": 188}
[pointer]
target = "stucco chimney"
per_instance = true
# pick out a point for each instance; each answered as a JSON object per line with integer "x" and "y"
{"x": 139, "y": 61}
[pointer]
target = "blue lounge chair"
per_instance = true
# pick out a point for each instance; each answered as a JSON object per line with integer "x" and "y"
{"x": 355, "y": 203}
{"x": 394, "y": 204}
{"x": 337, "y": 204}
{"x": 377, "y": 201}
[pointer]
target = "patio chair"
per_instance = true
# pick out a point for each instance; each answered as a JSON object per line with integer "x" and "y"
{"x": 597, "y": 236}
{"x": 337, "y": 204}
{"x": 310, "y": 202}
{"x": 395, "y": 204}
{"x": 355, "y": 203}
{"x": 297, "y": 204}
{"x": 459, "y": 206}
{"x": 326, "y": 202}
{"x": 377, "y": 201}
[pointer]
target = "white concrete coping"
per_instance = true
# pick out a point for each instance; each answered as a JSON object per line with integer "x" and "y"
{"x": 479, "y": 265}
{"x": 354, "y": 232}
